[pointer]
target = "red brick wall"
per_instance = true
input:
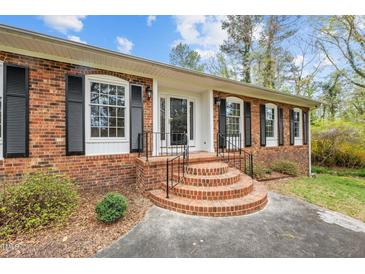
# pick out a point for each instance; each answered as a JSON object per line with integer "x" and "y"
{"x": 47, "y": 133}
{"x": 266, "y": 155}
{"x": 47, "y": 128}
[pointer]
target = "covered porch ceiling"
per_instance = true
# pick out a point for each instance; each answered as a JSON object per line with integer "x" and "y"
{"x": 42, "y": 46}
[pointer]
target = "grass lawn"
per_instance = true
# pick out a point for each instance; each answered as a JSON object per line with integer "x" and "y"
{"x": 359, "y": 172}
{"x": 338, "y": 193}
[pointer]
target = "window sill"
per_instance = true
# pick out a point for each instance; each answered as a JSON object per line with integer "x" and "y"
{"x": 106, "y": 141}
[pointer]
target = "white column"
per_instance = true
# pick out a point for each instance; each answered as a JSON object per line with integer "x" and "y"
{"x": 211, "y": 121}
{"x": 155, "y": 114}
{"x": 309, "y": 144}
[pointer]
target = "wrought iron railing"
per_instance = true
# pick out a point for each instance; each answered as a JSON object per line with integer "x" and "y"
{"x": 176, "y": 167}
{"x": 229, "y": 148}
{"x": 161, "y": 143}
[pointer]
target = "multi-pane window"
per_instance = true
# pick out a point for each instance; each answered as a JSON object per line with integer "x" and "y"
{"x": 162, "y": 118}
{"x": 270, "y": 118}
{"x": 296, "y": 124}
{"x": 107, "y": 105}
{"x": 233, "y": 118}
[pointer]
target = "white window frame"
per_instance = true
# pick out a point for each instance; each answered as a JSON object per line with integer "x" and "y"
{"x": 241, "y": 121}
{"x": 298, "y": 141}
{"x": 111, "y": 80}
{"x": 272, "y": 141}
{"x": 167, "y": 97}
{"x": 2, "y": 107}
{"x": 106, "y": 145}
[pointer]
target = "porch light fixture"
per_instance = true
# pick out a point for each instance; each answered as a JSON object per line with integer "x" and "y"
{"x": 217, "y": 101}
{"x": 149, "y": 92}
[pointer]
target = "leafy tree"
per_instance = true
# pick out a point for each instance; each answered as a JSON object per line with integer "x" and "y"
{"x": 240, "y": 29}
{"x": 342, "y": 39}
{"x": 222, "y": 66}
{"x": 304, "y": 69}
{"x": 181, "y": 55}
{"x": 331, "y": 95}
{"x": 274, "y": 58}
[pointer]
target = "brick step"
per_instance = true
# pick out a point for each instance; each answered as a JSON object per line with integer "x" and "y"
{"x": 224, "y": 192}
{"x": 212, "y": 168}
{"x": 252, "y": 202}
{"x": 230, "y": 177}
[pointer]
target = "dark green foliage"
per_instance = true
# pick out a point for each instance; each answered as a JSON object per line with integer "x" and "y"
{"x": 111, "y": 208}
{"x": 40, "y": 200}
{"x": 285, "y": 167}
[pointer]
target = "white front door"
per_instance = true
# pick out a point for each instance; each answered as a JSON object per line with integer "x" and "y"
{"x": 177, "y": 120}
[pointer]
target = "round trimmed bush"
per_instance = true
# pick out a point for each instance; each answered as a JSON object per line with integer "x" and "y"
{"x": 285, "y": 167}
{"x": 111, "y": 208}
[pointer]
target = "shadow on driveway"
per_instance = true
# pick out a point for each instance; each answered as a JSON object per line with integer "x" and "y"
{"x": 287, "y": 227}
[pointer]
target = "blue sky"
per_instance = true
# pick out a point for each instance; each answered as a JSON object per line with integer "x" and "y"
{"x": 149, "y": 37}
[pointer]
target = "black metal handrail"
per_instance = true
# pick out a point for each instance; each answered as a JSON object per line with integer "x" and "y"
{"x": 177, "y": 164}
{"x": 161, "y": 143}
{"x": 229, "y": 148}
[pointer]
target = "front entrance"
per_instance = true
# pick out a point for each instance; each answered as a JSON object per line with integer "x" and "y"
{"x": 177, "y": 122}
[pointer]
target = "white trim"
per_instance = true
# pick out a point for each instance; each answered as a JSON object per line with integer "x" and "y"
{"x": 106, "y": 145}
{"x": 309, "y": 145}
{"x": 298, "y": 141}
{"x": 211, "y": 120}
{"x": 2, "y": 107}
{"x": 273, "y": 141}
{"x": 237, "y": 100}
{"x": 155, "y": 113}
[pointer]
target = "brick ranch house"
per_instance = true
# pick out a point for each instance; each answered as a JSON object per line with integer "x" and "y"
{"x": 107, "y": 119}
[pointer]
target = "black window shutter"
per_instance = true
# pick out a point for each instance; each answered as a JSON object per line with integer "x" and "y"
{"x": 247, "y": 126}
{"x": 263, "y": 125}
{"x": 222, "y": 123}
{"x": 75, "y": 115}
{"x": 305, "y": 127}
{"x": 281, "y": 126}
{"x": 136, "y": 117}
{"x": 291, "y": 117}
{"x": 16, "y": 111}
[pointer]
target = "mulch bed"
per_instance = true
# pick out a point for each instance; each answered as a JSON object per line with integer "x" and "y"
{"x": 82, "y": 235}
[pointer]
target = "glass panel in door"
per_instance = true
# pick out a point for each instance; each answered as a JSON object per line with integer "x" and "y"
{"x": 178, "y": 120}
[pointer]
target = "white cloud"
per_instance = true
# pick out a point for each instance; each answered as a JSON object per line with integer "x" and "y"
{"x": 202, "y": 32}
{"x": 124, "y": 45}
{"x": 257, "y": 31}
{"x": 206, "y": 54}
{"x": 151, "y": 19}
{"x": 64, "y": 23}
{"x": 298, "y": 60}
{"x": 76, "y": 39}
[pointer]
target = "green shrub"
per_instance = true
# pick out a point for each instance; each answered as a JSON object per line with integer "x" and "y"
{"x": 111, "y": 208}
{"x": 285, "y": 167}
{"x": 259, "y": 171}
{"x": 339, "y": 143}
{"x": 41, "y": 199}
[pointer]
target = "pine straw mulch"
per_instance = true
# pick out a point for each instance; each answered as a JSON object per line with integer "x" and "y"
{"x": 82, "y": 235}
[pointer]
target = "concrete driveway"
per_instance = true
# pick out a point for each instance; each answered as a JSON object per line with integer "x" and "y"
{"x": 285, "y": 228}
